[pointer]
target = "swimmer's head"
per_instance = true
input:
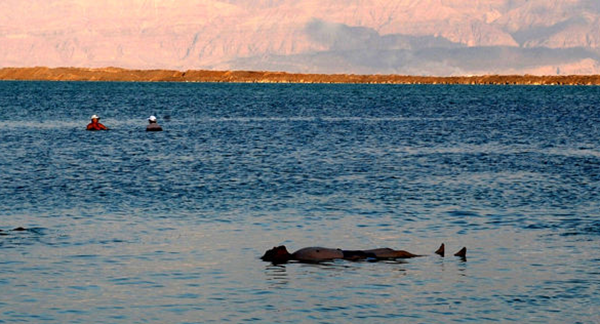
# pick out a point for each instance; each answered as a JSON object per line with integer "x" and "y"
{"x": 277, "y": 254}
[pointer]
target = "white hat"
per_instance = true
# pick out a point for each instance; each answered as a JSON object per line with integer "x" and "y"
{"x": 152, "y": 118}
{"x": 95, "y": 117}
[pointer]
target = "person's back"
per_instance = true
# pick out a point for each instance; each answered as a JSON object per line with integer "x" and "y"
{"x": 153, "y": 126}
{"x": 95, "y": 125}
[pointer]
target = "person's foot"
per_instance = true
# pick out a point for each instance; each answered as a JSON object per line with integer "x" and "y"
{"x": 462, "y": 253}
{"x": 441, "y": 250}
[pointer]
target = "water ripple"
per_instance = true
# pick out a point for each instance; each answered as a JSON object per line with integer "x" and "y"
{"x": 128, "y": 226}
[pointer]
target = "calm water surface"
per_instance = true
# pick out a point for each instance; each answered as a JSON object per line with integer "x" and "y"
{"x": 133, "y": 227}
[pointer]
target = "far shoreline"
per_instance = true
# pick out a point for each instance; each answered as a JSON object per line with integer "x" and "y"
{"x": 112, "y": 74}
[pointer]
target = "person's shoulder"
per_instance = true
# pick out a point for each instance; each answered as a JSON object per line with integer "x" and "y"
{"x": 153, "y": 128}
{"x": 96, "y": 127}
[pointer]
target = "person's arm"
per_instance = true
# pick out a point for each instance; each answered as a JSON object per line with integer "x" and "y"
{"x": 317, "y": 254}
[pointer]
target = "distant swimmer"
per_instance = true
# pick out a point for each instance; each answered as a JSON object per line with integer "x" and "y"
{"x": 153, "y": 126}
{"x": 95, "y": 124}
{"x": 280, "y": 254}
{"x": 18, "y": 229}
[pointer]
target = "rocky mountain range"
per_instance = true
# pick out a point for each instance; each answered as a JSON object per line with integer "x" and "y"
{"x": 416, "y": 37}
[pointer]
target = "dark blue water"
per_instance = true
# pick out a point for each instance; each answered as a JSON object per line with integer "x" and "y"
{"x": 135, "y": 227}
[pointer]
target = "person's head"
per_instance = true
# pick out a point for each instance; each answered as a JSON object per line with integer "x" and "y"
{"x": 152, "y": 119}
{"x": 277, "y": 254}
{"x": 95, "y": 118}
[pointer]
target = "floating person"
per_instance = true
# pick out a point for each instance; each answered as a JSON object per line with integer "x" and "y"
{"x": 95, "y": 124}
{"x": 153, "y": 126}
{"x": 280, "y": 254}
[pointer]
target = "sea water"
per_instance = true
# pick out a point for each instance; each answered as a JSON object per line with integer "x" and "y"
{"x": 126, "y": 226}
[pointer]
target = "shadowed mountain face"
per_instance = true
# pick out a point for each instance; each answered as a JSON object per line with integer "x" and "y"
{"x": 421, "y": 37}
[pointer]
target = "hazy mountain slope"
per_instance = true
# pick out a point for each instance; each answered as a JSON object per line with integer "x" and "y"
{"x": 438, "y": 37}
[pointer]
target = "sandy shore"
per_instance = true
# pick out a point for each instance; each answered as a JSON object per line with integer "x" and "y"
{"x": 118, "y": 74}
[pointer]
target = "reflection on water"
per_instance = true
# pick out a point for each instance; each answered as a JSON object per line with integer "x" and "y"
{"x": 276, "y": 275}
{"x": 126, "y": 226}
